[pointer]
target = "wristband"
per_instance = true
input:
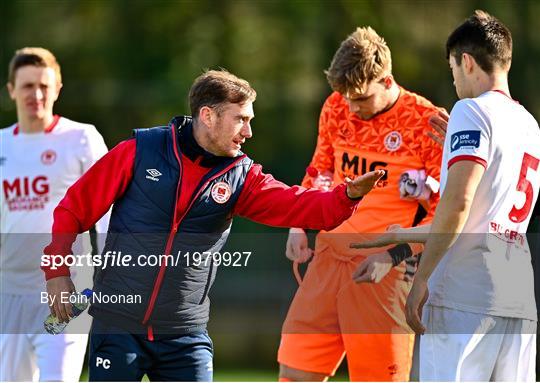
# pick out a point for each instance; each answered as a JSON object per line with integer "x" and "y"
{"x": 399, "y": 253}
{"x": 351, "y": 198}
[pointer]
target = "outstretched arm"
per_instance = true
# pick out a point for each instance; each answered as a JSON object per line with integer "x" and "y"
{"x": 396, "y": 235}
{"x": 375, "y": 267}
{"x": 271, "y": 202}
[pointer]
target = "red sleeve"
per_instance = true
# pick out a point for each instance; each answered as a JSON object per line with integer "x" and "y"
{"x": 88, "y": 199}
{"x": 271, "y": 202}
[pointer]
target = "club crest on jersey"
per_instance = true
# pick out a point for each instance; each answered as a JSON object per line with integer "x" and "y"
{"x": 466, "y": 139}
{"x": 153, "y": 174}
{"x": 48, "y": 157}
{"x": 392, "y": 141}
{"x": 221, "y": 192}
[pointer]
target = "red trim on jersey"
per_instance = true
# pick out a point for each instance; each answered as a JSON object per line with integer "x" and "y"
{"x": 53, "y": 124}
{"x": 48, "y": 129}
{"x": 476, "y": 159}
{"x": 504, "y": 94}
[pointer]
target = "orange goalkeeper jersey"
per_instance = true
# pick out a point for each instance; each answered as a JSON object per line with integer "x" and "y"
{"x": 396, "y": 141}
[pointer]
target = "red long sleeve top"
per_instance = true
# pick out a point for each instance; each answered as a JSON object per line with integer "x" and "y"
{"x": 263, "y": 199}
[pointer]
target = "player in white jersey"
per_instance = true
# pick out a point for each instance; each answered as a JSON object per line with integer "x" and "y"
{"x": 41, "y": 156}
{"x": 480, "y": 316}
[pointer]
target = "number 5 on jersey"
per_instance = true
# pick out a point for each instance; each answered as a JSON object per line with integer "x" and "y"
{"x": 524, "y": 185}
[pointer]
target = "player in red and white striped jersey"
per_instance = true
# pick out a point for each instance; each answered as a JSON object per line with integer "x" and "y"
{"x": 41, "y": 156}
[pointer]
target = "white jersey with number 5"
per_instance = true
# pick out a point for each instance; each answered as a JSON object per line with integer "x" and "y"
{"x": 488, "y": 269}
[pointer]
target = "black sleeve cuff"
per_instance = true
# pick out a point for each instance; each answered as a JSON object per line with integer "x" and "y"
{"x": 399, "y": 253}
{"x": 353, "y": 199}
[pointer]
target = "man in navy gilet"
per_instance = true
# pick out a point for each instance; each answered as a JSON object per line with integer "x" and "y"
{"x": 175, "y": 190}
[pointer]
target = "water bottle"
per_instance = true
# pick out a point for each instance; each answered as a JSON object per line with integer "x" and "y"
{"x": 320, "y": 180}
{"x": 51, "y": 323}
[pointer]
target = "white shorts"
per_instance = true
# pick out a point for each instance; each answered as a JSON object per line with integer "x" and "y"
{"x": 26, "y": 353}
{"x": 464, "y": 346}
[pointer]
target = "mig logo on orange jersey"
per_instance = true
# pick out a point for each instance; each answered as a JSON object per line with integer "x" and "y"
{"x": 356, "y": 166}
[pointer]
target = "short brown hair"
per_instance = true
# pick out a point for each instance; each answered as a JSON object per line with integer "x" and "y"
{"x": 485, "y": 38}
{"x": 216, "y": 87}
{"x": 362, "y": 57}
{"x": 35, "y": 56}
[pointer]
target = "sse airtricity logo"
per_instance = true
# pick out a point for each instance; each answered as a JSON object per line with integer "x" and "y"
{"x": 466, "y": 139}
{"x": 455, "y": 141}
{"x": 153, "y": 174}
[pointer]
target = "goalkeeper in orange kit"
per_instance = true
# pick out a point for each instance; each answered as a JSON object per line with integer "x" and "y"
{"x": 369, "y": 122}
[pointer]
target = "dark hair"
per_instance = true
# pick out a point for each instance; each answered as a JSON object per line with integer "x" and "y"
{"x": 34, "y": 56}
{"x": 485, "y": 38}
{"x": 216, "y": 87}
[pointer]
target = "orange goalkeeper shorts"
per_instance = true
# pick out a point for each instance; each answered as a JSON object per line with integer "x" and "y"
{"x": 331, "y": 316}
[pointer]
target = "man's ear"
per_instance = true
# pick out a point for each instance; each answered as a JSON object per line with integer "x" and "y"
{"x": 388, "y": 81}
{"x": 10, "y": 89}
{"x": 468, "y": 63}
{"x": 58, "y": 89}
{"x": 206, "y": 115}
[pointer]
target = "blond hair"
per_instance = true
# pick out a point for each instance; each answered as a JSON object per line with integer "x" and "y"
{"x": 35, "y": 56}
{"x": 362, "y": 57}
